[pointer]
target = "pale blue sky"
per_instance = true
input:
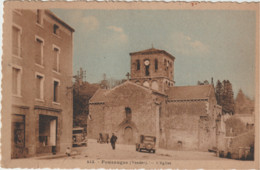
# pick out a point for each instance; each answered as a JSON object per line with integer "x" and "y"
{"x": 218, "y": 44}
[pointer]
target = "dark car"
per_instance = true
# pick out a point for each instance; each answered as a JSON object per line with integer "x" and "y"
{"x": 79, "y": 137}
{"x": 146, "y": 143}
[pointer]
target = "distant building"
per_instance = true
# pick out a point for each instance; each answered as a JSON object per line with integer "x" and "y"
{"x": 184, "y": 117}
{"x": 37, "y": 73}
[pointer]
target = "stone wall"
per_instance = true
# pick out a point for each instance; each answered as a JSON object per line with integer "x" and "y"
{"x": 180, "y": 125}
{"x": 96, "y": 121}
{"x": 128, "y": 95}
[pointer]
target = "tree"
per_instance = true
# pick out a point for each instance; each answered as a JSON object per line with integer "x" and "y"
{"x": 225, "y": 96}
{"x": 243, "y": 104}
{"x": 228, "y": 104}
{"x": 219, "y": 92}
{"x": 110, "y": 83}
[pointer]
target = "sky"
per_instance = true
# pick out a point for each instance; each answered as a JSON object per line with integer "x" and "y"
{"x": 205, "y": 43}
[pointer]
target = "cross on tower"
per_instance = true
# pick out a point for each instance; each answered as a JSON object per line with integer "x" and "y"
{"x": 127, "y": 75}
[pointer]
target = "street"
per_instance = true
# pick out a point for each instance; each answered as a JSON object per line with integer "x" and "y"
{"x": 101, "y": 155}
{"x": 95, "y": 150}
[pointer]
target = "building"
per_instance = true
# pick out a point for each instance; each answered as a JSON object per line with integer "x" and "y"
{"x": 37, "y": 81}
{"x": 183, "y": 118}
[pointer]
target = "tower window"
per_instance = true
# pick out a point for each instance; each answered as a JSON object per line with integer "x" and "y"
{"x": 137, "y": 64}
{"x": 147, "y": 73}
{"x": 156, "y": 64}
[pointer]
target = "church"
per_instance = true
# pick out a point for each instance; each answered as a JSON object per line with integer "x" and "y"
{"x": 149, "y": 103}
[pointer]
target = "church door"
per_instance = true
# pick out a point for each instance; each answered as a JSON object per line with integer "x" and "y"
{"x": 128, "y": 135}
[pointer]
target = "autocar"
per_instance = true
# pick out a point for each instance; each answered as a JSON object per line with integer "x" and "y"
{"x": 79, "y": 137}
{"x": 146, "y": 143}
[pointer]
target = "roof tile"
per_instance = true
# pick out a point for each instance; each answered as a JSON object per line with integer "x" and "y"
{"x": 189, "y": 92}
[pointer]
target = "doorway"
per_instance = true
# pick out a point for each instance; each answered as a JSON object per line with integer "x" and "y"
{"x": 128, "y": 135}
{"x": 47, "y": 133}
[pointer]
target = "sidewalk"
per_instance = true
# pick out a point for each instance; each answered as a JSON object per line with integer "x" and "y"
{"x": 56, "y": 156}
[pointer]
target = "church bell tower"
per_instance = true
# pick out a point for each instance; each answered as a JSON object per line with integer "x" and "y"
{"x": 153, "y": 68}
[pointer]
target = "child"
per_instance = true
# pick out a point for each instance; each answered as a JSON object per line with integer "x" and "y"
{"x": 68, "y": 151}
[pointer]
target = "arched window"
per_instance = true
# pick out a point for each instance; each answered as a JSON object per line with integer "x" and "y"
{"x": 137, "y": 64}
{"x": 128, "y": 114}
{"x": 156, "y": 64}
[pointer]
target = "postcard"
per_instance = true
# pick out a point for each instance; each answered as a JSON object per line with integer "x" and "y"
{"x": 130, "y": 85}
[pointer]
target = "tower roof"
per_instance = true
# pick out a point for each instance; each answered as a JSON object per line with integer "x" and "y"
{"x": 152, "y": 51}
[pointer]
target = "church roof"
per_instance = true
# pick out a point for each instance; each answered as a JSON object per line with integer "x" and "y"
{"x": 189, "y": 92}
{"x": 153, "y": 51}
{"x": 99, "y": 96}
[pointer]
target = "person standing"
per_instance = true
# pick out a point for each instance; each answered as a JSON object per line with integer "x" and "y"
{"x": 113, "y": 141}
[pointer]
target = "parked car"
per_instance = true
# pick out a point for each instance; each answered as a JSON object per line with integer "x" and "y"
{"x": 79, "y": 137}
{"x": 146, "y": 143}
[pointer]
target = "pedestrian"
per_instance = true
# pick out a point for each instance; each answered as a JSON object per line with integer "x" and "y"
{"x": 113, "y": 141}
{"x": 68, "y": 151}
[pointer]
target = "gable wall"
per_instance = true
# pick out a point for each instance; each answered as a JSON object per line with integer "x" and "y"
{"x": 180, "y": 122}
{"x": 110, "y": 116}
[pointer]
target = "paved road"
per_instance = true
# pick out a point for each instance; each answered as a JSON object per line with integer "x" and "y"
{"x": 95, "y": 150}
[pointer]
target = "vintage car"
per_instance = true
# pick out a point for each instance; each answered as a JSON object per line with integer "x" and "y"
{"x": 146, "y": 143}
{"x": 79, "y": 137}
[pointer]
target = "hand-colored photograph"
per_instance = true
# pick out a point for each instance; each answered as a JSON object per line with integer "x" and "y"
{"x": 132, "y": 86}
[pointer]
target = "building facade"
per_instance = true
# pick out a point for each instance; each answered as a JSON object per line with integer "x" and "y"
{"x": 38, "y": 67}
{"x": 181, "y": 117}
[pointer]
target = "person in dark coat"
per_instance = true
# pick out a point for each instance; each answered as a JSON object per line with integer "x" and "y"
{"x": 113, "y": 141}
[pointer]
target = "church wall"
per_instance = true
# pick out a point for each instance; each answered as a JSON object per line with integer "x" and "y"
{"x": 96, "y": 124}
{"x": 142, "y": 106}
{"x": 181, "y": 128}
{"x": 213, "y": 111}
{"x": 111, "y": 116}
